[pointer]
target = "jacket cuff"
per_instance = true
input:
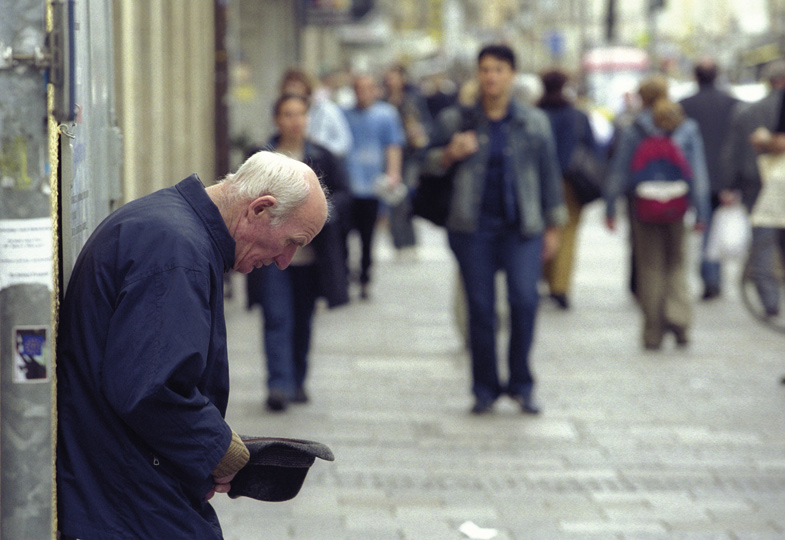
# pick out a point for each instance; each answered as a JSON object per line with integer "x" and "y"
{"x": 234, "y": 459}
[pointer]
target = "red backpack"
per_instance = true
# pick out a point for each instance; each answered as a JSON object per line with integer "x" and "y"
{"x": 661, "y": 178}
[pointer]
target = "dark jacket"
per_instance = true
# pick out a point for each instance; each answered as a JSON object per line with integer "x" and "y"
{"x": 328, "y": 244}
{"x": 570, "y": 126}
{"x": 740, "y": 160}
{"x": 712, "y": 109}
{"x": 142, "y": 372}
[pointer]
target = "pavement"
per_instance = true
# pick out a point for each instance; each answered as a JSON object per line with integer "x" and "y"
{"x": 683, "y": 443}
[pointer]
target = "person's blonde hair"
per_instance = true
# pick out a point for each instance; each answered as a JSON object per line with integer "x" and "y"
{"x": 667, "y": 115}
{"x": 653, "y": 88}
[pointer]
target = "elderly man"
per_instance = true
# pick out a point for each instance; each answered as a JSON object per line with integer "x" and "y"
{"x": 142, "y": 369}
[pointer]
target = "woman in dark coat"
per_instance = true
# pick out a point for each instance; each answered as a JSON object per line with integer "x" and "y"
{"x": 288, "y": 297}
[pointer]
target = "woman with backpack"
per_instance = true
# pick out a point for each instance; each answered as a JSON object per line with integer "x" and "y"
{"x": 660, "y": 165}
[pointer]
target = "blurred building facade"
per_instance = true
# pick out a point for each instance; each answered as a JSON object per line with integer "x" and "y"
{"x": 432, "y": 36}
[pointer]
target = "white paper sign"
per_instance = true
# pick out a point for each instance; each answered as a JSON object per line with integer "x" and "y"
{"x": 26, "y": 252}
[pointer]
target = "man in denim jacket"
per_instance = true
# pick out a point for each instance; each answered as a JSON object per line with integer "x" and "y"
{"x": 505, "y": 214}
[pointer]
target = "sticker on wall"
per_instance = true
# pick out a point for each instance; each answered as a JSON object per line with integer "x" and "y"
{"x": 31, "y": 357}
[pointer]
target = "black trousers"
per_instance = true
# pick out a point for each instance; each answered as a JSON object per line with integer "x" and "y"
{"x": 363, "y": 219}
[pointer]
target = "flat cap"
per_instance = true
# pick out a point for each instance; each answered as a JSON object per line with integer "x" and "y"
{"x": 277, "y": 467}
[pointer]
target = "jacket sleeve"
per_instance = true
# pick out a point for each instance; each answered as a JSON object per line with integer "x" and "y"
{"x": 700, "y": 192}
{"x": 155, "y": 369}
{"x": 554, "y": 211}
{"x": 619, "y": 169}
{"x": 448, "y": 122}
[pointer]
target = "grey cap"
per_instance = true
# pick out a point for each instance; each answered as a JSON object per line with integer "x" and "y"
{"x": 277, "y": 467}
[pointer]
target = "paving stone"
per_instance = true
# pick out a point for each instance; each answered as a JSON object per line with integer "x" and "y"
{"x": 681, "y": 444}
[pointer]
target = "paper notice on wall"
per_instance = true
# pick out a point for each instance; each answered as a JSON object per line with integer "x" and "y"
{"x": 26, "y": 252}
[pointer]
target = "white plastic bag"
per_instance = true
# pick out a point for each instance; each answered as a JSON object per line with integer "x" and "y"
{"x": 730, "y": 234}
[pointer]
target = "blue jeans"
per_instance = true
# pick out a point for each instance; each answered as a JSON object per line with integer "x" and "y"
{"x": 710, "y": 271}
{"x": 288, "y": 299}
{"x": 480, "y": 254}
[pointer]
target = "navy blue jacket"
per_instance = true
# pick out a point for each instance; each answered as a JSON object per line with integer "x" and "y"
{"x": 142, "y": 372}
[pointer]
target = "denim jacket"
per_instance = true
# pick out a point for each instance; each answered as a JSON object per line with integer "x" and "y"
{"x": 538, "y": 181}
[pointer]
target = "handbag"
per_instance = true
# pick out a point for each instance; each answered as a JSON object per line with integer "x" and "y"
{"x": 433, "y": 195}
{"x": 661, "y": 201}
{"x": 585, "y": 171}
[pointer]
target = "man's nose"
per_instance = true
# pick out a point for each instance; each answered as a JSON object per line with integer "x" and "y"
{"x": 283, "y": 260}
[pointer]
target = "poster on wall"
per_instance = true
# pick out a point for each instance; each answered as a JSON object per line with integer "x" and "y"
{"x": 31, "y": 356}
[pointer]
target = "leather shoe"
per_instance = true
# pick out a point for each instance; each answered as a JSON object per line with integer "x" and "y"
{"x": 300, "y": 396}
{"x": 527, "y": 402}
{"x": 680, "y": 334}
{"x": 711, "y": 292}
{"x": 482, "y": 406}
{"x": 277, "y": 401}
{"x": 561, "y": 301}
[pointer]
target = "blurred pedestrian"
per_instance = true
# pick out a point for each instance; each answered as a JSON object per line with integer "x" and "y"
{"x": 326, "y": 123}
{"x": 506, "y": 210}
{"x": 288, "y": 295}
{"x": 631, "y": 107}
{"x": 439, "y": 91}
{"x": 659, "y": 242}
{"x": 142, "y": 367}
{"x": 571, "y": 127}
{"x": 376, "y": 156}
{"x": 757, "y": 137}
{"x": 417, "y": 124}
{"x": 711, "y": 108}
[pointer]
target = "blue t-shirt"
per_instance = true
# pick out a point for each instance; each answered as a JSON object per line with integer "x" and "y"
{"x": 373, "y": 130}
{"x": 499, "y": 194}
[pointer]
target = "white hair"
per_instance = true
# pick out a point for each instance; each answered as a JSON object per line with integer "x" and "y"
{"x": 270, "y": 173}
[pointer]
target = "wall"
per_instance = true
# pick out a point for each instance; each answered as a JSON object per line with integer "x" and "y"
{"x": 263, "y": 43}
{"x": 165, "y": 77}
{"x": 26, "y": 282}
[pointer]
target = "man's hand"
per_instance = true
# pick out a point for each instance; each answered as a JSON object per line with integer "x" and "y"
{"x": 462, "y": 145}
{"x": 551, "y": 241}
{"x": 764, "y": 141}
{"x": 220, "y": 485}
{"x": 729, "y": 197}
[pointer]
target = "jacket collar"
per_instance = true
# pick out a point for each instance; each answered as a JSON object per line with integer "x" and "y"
{"x": 518, "y": 112}
{"x": 192, "y": 190}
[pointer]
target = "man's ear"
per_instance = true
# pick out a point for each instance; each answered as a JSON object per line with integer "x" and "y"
{"x": 261, "y": 204}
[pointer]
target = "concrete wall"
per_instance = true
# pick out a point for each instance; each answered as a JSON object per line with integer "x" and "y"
{"x": 25, "y": 283}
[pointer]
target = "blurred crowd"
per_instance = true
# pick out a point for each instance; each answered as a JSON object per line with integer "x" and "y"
{"x": 521, "y": 164}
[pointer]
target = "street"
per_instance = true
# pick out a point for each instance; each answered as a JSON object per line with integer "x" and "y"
{"x": 677, "y": 444}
